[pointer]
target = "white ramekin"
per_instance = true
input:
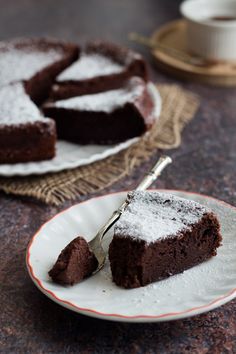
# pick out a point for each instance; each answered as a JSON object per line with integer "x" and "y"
{"x": 210, "y": 39}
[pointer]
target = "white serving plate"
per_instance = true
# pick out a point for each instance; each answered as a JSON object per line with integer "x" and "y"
{"x": 197, "y": 290}
{"x": 69, "y": 156}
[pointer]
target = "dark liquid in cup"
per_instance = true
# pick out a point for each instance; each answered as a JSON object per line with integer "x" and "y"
{"x": 223, "y": 18}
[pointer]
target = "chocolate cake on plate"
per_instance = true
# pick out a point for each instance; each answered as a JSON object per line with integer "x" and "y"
{"x": 105, "y": 117}
{"x": 159, "y": 235}
{"x": 25, "y": 135}
{"x": 36, "y": 62}
{"x": 28, "y": 68}
{"x": 74, "y": 263}
{"x": 101, "y": 66}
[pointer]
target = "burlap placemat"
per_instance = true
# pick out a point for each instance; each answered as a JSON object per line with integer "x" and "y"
{"x": 178, "y": 108}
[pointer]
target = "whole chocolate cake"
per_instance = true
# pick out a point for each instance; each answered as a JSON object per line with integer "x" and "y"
{"x": 101, "y": 66}
{"x": 105, "y": 117}
{"x": 159, "y": 235}
{"x": 28, "y": 69}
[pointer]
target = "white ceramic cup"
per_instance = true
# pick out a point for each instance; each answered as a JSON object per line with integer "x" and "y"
{"x": 213, "y": 39}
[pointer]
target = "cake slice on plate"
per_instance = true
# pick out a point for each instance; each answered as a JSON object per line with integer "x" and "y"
{"x": 36, "y": 62}
{"x": 25, "y": 135}
{"x": 159, "y": 235}
{"x": 106, "y": 117}
{"x": 102, "y": 66}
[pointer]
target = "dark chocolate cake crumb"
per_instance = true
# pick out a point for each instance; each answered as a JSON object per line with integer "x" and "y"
{"x": 74, "y": 263}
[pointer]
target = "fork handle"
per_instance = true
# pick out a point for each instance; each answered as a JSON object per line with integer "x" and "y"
{"x": 149, "y": 178}
{"x": 152, "y": 175}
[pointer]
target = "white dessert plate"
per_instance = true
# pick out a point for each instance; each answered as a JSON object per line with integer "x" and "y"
{"x": 197, "y": 290}
{"x": 69, "y": 155}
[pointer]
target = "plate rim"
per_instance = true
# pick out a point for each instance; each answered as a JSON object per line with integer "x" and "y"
{"x": 221, "y": 300}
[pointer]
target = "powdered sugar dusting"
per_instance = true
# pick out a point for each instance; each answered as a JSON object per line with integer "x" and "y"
{"x": 101, "y": 102}
{"x": 22, "y": 64}
{"x": 16, "y": 107}
{"x": 152, "y": 215}
{"x": 90, "y": 65}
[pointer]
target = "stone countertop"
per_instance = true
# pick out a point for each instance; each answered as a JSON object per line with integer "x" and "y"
{"x": 205, "y": 163}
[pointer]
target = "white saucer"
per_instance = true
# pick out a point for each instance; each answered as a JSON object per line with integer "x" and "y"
{"x": 69, "y": 156}
{"x": 197, "y": 290}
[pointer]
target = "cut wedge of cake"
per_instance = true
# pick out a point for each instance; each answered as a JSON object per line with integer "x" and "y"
{"x": 101, "y": 66}
{"x": 104, "y": 118}
{"x": 160, "y": 235}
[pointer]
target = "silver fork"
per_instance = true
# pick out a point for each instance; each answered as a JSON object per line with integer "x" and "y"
{"x": 95, "y": 244}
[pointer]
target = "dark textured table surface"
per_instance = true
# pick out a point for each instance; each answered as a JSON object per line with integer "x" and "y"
{"x": 205, "y": 163}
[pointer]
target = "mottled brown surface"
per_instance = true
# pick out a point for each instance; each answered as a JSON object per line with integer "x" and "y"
{"x": 206, "y": 163}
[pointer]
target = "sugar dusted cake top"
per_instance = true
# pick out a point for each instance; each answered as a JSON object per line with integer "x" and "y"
{"x": 16, "y": 107}
{"x": 89, "y": 66}
{"x": 21, "y": 63}
{"x": 152, "y": 215}
{"x": 104, "y": 101}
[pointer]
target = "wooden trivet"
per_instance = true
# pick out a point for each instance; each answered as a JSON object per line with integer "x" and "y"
{"x": 173, "y": 35}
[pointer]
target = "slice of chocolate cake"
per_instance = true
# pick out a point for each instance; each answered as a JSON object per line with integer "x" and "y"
{"x": 104, "y": 118}
{"x": 74, "y": 263}
{"x": 160, "y": 235}
{"x": 36, "y": 62}
{"x": 102, "y": 66}
{"x": 25, "y": 135}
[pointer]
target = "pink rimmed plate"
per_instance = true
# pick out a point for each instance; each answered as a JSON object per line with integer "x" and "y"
{"x": 197, "y": 290}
